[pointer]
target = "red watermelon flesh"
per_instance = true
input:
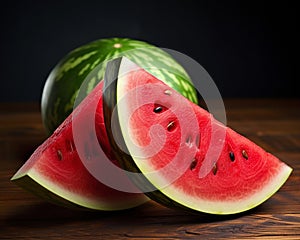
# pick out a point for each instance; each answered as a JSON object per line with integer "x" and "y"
{"x": 56, "y": 171}
{"x": 168, "y": 138}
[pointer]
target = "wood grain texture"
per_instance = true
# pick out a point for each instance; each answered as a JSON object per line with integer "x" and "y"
{"x": 272, "y": 123}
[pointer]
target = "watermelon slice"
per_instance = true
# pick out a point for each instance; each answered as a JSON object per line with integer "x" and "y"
{"x": 57, "y": 170}
{"x": 177, "y": 153}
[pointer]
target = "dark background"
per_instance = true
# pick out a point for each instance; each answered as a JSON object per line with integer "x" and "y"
{"x": 249, "y": 48}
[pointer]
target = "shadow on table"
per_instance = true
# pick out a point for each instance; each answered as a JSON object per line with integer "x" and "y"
{"x": 46, "y": 215}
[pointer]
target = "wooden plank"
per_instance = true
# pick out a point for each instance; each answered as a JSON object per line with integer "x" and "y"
{"x": 148, "y": 221}
{"x": 273, "y": 124}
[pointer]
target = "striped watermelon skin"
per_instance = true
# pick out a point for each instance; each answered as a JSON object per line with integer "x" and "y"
{"x": 73, "y": 78}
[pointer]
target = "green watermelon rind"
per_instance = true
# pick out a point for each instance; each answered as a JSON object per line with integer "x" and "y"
{"x": 65, "y": 80}
{"x": 40, "y": 186}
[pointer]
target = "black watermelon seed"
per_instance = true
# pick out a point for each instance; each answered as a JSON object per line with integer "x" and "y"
{"x": 231, "y": 155}
{"x": 193, "y": 164}
{"x": 245, "y": 154}
{"x": 59, "y": 155}
{"x": 158, "y": 109}
{"x": 171, "y": 126}
{"x": 215, "y": 169}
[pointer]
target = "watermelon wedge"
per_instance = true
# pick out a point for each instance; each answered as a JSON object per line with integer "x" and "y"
{"x": 57, "y": 170}
{"x": 177, "y": 153}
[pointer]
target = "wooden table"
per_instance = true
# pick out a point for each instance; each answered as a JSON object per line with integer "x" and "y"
{"x": 272, "y": 123}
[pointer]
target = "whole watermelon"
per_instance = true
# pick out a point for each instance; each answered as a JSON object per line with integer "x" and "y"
{"x": 81, "y": 69}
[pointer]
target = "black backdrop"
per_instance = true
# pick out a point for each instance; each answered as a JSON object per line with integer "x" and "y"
{"x": 249, "y": 48}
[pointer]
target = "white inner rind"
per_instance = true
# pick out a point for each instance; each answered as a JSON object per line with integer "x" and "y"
{"x": 230, "y": 207}
{"x": 72, "y": 197}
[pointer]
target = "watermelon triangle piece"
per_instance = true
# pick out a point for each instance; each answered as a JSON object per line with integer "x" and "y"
{"x": 59, "y": 171}
{"x": 177, "y": 153}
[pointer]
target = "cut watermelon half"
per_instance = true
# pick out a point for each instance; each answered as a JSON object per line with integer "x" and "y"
{"x": 57, "y": 170}
{"x": 163, "y": 140}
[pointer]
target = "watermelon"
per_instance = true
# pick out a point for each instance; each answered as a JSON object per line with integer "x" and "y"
{"x": 177, "y": 153}
{"x": 80, "y": 70}
{"x": 58, "y": 170}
